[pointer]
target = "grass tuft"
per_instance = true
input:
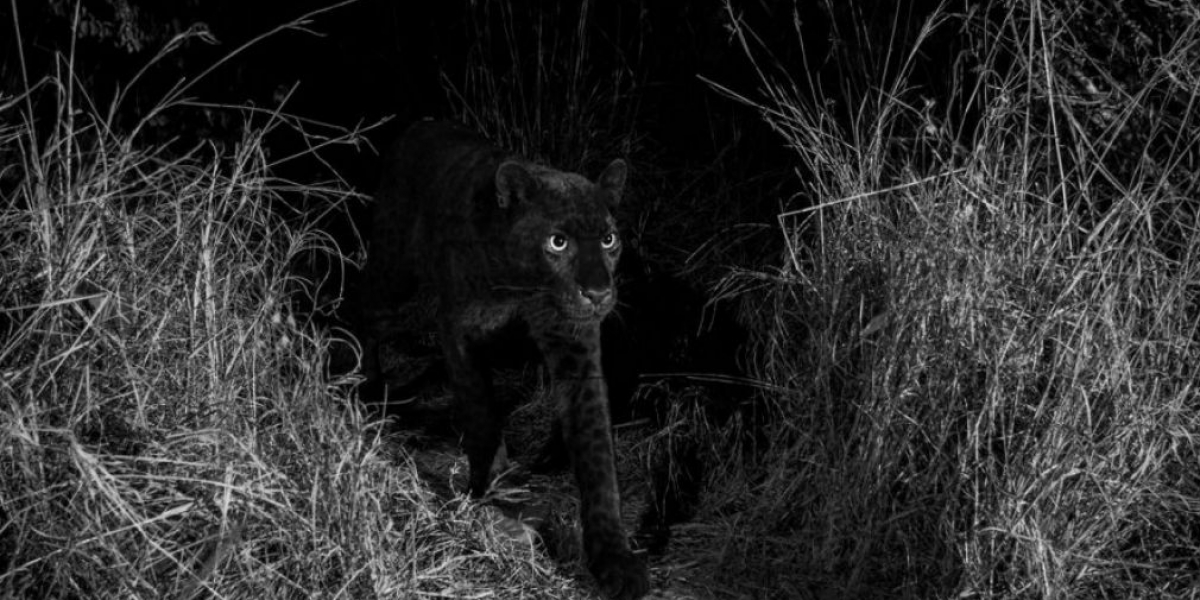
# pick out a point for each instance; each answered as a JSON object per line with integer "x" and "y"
{"x": 988, "y": 334}
{"x": 169, "y": 427}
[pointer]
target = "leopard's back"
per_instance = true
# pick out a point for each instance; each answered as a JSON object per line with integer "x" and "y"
{"x": 427, "y": 212}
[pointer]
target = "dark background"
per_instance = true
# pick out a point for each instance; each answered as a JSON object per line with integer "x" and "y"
{"x": 378, "y": 58}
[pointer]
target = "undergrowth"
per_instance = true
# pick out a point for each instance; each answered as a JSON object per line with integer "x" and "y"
{"x": 168, "y": 424}
{"x": 986, "y": 323}
{"x": 976, "y": 357}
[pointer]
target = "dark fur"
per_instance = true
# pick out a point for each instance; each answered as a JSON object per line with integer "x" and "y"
{"x": 477, "y": 224}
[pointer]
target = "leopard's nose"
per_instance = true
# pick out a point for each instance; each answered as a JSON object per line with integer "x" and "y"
{"x": 597, "y": 296}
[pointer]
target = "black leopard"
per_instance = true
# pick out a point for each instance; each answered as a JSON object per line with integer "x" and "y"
{"x": 504, "y": 242}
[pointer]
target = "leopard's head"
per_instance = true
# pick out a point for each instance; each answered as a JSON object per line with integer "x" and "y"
{"x": 563, "y": 240}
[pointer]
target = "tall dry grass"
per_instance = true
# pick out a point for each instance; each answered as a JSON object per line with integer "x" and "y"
{"x": 987, "y": 326}
{"x": 977, "y": 354}
{"x": 168, "y": 424}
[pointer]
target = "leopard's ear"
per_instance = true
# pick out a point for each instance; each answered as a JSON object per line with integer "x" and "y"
{"x": 612, "y": 179}
{"x": 514, "y": 183}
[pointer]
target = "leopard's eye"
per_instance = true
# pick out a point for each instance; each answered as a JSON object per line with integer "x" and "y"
{"x": 610, "y": 241}
{"x": 557, "y": 242}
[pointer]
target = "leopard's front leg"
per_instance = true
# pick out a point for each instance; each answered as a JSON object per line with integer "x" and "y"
{"x": 480, "y": 417}
{"x": 582, "y": 400}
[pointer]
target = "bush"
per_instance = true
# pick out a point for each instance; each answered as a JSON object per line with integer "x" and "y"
{"x": 986, "y": 327}
{"x": 168, "y": 425}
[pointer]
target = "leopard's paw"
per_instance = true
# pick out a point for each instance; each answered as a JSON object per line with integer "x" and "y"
{"x": 621, "y": 575}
